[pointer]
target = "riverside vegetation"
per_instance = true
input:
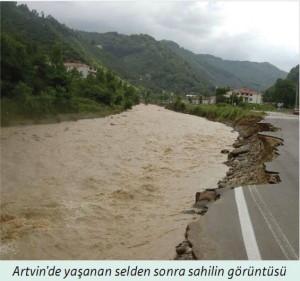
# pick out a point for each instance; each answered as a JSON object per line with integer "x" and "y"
{"x": 35, "y": 84}
{"x": 218, "y": 112}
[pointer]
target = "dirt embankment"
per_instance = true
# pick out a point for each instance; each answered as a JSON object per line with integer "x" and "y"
{"x": 246, "y": 167}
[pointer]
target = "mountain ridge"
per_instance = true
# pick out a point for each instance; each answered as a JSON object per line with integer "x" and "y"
{"x": 230, "y": 68}
{"x": 204, "y": 70}
{"x": 139, "y": 58}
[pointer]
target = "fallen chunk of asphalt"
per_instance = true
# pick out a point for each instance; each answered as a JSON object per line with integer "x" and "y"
{"x": 239, "y": 150}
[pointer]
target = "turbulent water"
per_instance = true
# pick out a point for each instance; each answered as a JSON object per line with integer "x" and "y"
{"x": 108, "y": 188}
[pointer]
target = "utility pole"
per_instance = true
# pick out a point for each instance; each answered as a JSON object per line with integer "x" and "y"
{"x": 257, "y": 90}
{"x": 296, "y": 103}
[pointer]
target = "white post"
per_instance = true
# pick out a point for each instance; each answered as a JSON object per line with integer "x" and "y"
{"x": 296, "y": 103}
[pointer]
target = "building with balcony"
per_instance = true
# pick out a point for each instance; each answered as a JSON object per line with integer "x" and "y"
{"x": 82, "y": 68}
{"x": 247, "y": 95}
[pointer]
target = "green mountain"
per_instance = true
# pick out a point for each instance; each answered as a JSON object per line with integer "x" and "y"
{"x": 285, "y": 90}
{"x": 144, "y": 61}
{"x": 24, "y": 25}
{"x": 293, "y": 75}
{"x": 234, "y": 74}
{"x": 139, "y": 59}
{"x": 165, "y": 65}
{"x": 34, "y": 81}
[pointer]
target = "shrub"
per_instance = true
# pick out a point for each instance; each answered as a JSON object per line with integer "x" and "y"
{"x": 213, "y": 112}
{"x": 128, "y": 104}
{"x": 80, "y": 104}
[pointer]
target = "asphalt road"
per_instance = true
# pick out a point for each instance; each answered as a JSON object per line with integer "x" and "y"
{"x": 256, "y": 222}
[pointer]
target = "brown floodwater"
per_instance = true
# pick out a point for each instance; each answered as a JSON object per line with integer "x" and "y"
{"x": 106, "y": 188}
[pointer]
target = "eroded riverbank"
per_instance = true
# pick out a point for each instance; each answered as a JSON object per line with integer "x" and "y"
{"x": 246, "y": 164}
{"x": 110, "y": 188}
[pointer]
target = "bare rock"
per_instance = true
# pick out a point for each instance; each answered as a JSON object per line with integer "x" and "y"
{"x": 274, "y": 178}
{"x": 229, "y": 173}
{"x": 189, "y": 212}
{"x": 180, "y": 250}
{"x": 207, "y": 196}
{"x": 184, "y": 251}
{"x": 188, "y": 250}
{"x": 240, "y": 150}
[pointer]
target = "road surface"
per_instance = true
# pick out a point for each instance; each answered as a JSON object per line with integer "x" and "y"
{"x": 256, "y": 222}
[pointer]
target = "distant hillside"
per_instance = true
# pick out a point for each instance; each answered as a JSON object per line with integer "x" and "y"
{"x": 139, "y": 59}
{"x": 234, "y": 74}
{"x": 146, "y": 62}
{"x": 165, "y": 65}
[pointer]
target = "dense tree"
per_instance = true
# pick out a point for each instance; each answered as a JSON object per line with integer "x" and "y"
{"x": 220, "y": 94}
{"x": 14, "y": 64}
{"x": 284, "y": 90}
{"x": 234, "y": 99}
{"x": 34, "y": 80}
{"x": 294, "y": 75}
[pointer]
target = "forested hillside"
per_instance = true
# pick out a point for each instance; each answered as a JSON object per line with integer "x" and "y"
{"x": 284, "y": 90}
{"x": 34, "y": 80}
{"x": 165, "y": 65}
{"x": 146, "y": 62}
{"x": 234, "y": 74}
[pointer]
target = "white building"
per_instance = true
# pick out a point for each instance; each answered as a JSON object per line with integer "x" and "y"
{"x": 209, "y": 100}
{"x": 84, "y": 69}
{"x": 194, "y": 99}
{"x": 248, "y": 95}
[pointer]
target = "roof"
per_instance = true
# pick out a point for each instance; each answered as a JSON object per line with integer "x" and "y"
{"x": 74, "y": 64}
{"x": 244, "y": 91}
{"x": 208, "y": 98}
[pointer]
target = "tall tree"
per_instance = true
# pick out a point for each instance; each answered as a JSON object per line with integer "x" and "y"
{"x": 285, "y": 92}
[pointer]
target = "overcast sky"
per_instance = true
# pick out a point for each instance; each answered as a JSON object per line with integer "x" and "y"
{"x": 238, "y": 30}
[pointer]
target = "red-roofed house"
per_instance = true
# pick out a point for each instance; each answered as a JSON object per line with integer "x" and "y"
{"x": 248, "y": 95}
{"x": 84, "y": 69}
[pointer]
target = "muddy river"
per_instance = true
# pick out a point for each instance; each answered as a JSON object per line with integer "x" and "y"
{"x": 108, "y": 188}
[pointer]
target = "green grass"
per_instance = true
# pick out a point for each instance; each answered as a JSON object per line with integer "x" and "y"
{"x": 219, "y": 113}
{"x": 81, "y": 108}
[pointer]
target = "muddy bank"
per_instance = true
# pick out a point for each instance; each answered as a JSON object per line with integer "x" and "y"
{"x": 251, "y": 151}
{"x": 246, "y": 164}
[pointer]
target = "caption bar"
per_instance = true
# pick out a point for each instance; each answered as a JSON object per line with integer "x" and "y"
{"x": 65, "y": 273}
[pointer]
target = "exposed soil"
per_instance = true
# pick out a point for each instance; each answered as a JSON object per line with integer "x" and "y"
{"x": 251, "y": 151}
{"x": 246, "y": 164}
